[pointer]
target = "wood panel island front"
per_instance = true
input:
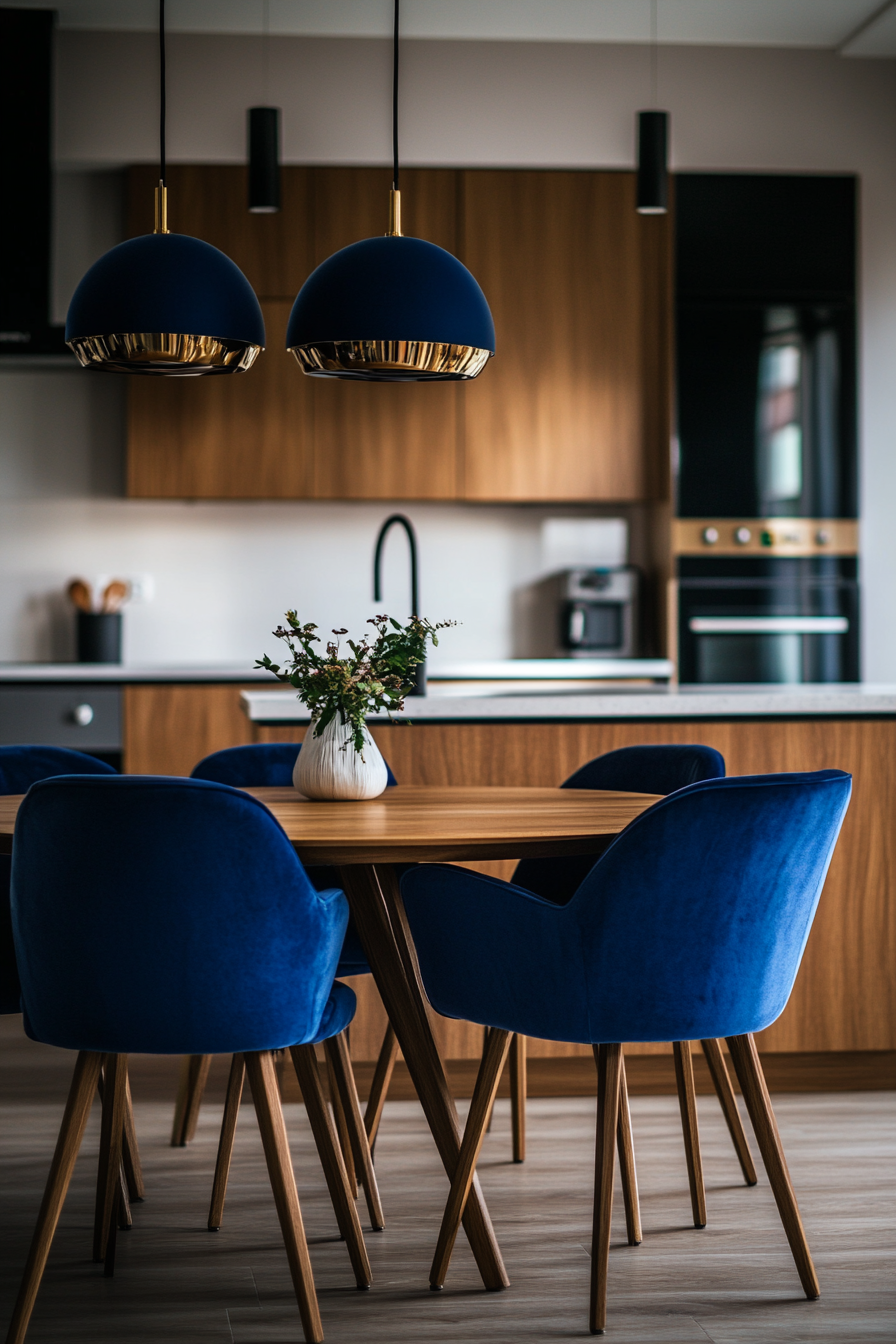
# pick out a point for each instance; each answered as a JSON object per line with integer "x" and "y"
{"x": 839, "y": 1028}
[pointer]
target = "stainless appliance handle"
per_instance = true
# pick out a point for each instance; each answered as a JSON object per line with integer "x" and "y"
{"x": 768, "y": 625}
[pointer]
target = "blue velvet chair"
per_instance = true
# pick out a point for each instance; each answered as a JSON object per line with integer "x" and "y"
{"x": 173, "y": 916}
{"x": 690, "y": 926}
{"x": 270, "y": 765}
{"x": 655, "y": 768}
{"x": 20, "y": 767}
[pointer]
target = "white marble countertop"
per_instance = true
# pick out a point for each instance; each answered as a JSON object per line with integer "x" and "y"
{"x": 682, "y": 702}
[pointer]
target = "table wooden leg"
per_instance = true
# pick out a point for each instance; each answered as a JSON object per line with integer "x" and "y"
{"x": 382, "y": 925}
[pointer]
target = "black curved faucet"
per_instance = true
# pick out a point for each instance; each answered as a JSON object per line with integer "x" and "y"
{"x": 402, "y": 521}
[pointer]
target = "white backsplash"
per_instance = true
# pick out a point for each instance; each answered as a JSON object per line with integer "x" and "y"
{"x": 221, "y": 575}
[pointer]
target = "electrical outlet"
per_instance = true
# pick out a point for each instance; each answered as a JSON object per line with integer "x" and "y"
{"x": 142, "y": 588}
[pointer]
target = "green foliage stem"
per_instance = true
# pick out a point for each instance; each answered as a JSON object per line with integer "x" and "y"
{"x": 376, "y": 677}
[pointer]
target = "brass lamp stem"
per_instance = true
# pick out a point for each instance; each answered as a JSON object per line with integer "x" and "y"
{"x": 161, "y": 225}
{"x": 394, "y": 230}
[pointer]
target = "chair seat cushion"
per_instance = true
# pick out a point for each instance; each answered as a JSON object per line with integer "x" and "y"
{"x": 338, "y": 1013}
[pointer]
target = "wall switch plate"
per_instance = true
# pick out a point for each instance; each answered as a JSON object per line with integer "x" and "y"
{"x": 142, "y": 588}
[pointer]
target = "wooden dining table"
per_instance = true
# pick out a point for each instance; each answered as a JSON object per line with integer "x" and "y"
{"x": 412, "y": 823}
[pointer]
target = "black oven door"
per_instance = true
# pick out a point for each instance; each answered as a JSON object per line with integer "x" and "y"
{"x": 778, "y": 620}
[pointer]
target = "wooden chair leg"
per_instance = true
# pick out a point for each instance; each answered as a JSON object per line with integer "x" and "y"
{"x": 496, "y": 1047}
{"x": 687, "y": 1102}
{"x": 341, "y": 1124}
{"x": 344, "y": 1206}
{"x": 130, "y": 1151}
{"x": 193, "y": 1076}
{"x": 745, "y": 1058}
{"x": 382, "y": 1077}
{"x": 125, "y": 1222}
{"x": 108, "y": 1173}
{"x": 266, "y": 1095}
{"x": 491, "y": 1112}
{"x": 71, "y": 1134}
{"x": 225, "y": 1143}
{"x": 609, "y": 1078}
{"x": 336, "y": 1049}
{"x": 113, "y": 1230}
{"x": 721, "y": 1081}
{"x": 518, "y": 1096}
{"x": 626, "y": 1148}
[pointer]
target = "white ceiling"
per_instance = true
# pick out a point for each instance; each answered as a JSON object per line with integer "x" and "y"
{"x": 853, "y": 27}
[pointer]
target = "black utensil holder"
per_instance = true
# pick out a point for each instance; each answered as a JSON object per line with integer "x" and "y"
{"x": 99, "y": 636}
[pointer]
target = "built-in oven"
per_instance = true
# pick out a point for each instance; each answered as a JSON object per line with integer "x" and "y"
{"x": 768, "y": 619}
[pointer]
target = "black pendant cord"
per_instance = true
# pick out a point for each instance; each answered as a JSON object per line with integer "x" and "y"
{"x": 395, "y": 100}
{"x": 653, "y": 53}
{"x": 162, "y": 92}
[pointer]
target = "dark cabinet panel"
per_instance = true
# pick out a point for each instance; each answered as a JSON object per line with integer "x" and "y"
{"x": 766, "y": 346}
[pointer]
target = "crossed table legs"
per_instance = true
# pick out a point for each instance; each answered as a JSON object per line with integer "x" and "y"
{"x": 379, "y": 916}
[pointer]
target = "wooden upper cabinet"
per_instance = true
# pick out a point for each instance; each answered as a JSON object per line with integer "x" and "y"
{"x": 384, "y": 440}
{"x": 230, "y": 436}
{"x": 210, "y": 201}
{"x": 575, "y": 405}
{"x": 561, "y": 412}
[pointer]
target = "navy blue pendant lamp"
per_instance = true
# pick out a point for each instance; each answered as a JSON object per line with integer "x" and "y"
{"x": 653, "y": 144}
{"x": 392, "y": 309}
{"x": 165, "y": 303}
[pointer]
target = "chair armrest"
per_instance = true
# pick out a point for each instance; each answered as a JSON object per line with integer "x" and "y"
{"x": 493, "y": 953}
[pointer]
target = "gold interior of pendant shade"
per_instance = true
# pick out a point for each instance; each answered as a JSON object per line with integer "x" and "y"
{"x": 168, "y": 353}
{"x": 385, "y": 360}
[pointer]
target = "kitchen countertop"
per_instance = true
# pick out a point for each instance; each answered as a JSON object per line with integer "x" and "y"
{"x": 511, "y": 670}
{"x": 674, "y": 702}
{"x": 56, "y": 673}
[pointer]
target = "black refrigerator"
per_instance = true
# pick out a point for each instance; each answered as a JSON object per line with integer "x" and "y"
{"x": 765, "y": 463}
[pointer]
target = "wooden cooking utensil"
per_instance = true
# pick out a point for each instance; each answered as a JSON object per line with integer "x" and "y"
{"x": 80, "y": 595}
{"x": 114, "y": 594}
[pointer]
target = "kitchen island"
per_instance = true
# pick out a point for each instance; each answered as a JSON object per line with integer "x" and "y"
{"x": 840, "y": 1025}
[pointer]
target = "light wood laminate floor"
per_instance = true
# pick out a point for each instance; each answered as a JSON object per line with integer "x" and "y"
{"x": 733, "y": 1283}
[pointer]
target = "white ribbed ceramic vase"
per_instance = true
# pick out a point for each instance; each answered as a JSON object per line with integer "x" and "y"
{"x": 329, "y": 770}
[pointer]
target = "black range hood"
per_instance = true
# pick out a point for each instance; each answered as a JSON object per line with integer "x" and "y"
{"x": 26, "y": 101}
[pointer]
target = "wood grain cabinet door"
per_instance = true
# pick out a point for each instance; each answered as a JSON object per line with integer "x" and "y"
{"x": 384, "y": 440}
{"x": 169, "y": 728}
{"x": 559, "y": 413}
{"x": 240, "y": 436}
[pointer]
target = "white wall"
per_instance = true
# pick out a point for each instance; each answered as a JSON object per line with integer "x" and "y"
{"x": 220, "y": 569}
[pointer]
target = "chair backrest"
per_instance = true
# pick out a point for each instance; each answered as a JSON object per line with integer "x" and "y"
{"x": 261, "y": 765}
{"x": 20, "y": 767}
{"x": 170, "y": 916}
{"x": 649, "y": 769}
{"x": 643, "y": 769}
{"x": 693, "y": 923}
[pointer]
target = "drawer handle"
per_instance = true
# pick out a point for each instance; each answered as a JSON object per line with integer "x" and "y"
{"x": 83, "y": 715}
{"x": 768, "y": 625}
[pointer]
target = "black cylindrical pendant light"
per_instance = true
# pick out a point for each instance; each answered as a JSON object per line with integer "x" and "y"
{"x": 264, "y": 160}
{"x": 653, "y": 132}
{"x": 653, "y": 142}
